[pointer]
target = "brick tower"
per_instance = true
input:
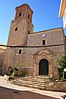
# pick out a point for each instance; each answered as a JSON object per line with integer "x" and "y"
{"x": 20, "y": 27}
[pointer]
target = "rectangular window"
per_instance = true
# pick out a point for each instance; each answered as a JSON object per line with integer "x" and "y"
{"x": 19, "y": 51}
{"x": 43, "y": 42}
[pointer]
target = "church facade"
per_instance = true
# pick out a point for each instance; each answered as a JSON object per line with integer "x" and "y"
{"x": 33, "y": 51}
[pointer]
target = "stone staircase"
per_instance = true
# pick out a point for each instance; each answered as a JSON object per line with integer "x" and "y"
{"x": 39, "y": 82}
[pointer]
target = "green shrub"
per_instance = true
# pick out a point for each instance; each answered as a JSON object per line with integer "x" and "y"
{"x": 9, "y": 71}
{"x": 23, "y": 72}
{"x": 61, "y": 62}
{"x": 60, "y": 73}
{"x": 12, "y": 71}
{"x": 17, "y": 72}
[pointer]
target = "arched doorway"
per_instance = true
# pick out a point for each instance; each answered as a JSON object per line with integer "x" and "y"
{"x": 43, "y": 67}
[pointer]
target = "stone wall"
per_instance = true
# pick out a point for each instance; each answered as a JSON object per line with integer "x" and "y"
{"x": 31, "y": 56}
{"x": 2, "y": 55}
{"x": 21, "y": 34}
{"x": 52, "y": 37}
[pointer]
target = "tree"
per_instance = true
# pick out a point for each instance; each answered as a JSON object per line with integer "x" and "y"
{"x": 61, "y": 62}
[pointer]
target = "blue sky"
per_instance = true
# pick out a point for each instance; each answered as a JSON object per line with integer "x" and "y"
{"x": 45, "y": 15}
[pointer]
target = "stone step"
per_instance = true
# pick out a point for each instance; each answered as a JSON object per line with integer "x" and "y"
{"x": 35, "y": 82}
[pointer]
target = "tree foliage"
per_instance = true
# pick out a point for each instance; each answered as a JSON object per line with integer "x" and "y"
{"x": 61, "y": 62}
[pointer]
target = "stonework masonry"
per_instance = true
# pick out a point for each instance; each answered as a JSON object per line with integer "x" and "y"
{"x": 28, "y": 57}
{"x": 2, "y": 55}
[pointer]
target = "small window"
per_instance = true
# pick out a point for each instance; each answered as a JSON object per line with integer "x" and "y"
{"x": 28, "y": 32}
{"x": 28, "y": 16}
{"x": 20, "y": 14}
{"x": 16, "y": 28}
{"x": 19, "y": 51}
{"x": 43, "y": 42}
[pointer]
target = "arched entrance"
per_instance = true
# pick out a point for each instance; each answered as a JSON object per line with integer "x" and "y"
{"x": 43, "y": 67}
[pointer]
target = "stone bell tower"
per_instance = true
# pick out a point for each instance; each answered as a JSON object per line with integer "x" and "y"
{"x": 21, "y": 26}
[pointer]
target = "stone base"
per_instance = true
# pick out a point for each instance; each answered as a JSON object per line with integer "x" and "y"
{"x": 40, "y": 82}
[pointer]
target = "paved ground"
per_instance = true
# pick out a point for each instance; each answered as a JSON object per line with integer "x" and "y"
{"x": 13, "y": 94}
{"x": 24, "y": 92}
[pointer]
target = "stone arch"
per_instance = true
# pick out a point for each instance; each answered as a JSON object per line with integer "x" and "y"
{"x": 43, "y": 54}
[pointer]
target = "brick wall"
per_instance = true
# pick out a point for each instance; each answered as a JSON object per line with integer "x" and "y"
{"x": 2, "y": 55}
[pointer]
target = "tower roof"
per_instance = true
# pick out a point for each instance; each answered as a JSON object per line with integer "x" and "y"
{"x": 24, "y": 5}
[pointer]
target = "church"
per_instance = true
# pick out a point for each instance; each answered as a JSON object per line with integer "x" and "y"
{"x": 34, "y": 52}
